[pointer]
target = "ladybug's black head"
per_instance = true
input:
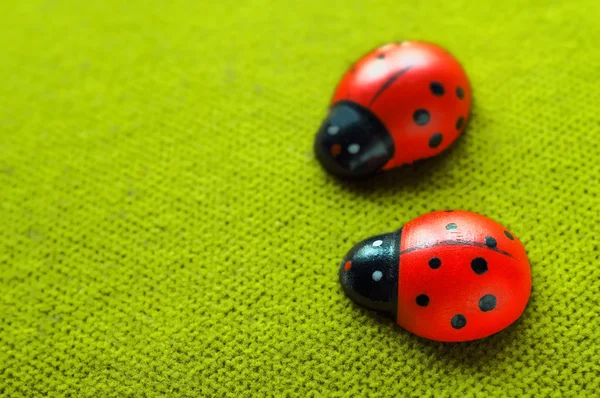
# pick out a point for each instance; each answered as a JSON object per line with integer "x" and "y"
{"x": 369, "y": 273}
{"x": 352, "y": 142}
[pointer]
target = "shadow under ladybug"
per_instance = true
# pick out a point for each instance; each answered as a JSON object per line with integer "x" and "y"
{"x": 473, "y": 353}
{"x": 407, "y": 177}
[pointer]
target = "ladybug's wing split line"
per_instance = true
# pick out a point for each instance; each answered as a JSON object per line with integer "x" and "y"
{"x": 457, "y": 243}
{"x": 388, "y": 83}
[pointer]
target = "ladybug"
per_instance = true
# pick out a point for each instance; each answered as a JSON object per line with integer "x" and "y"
{"x": 398, "y": 104}
{"x": 447, "y": 276}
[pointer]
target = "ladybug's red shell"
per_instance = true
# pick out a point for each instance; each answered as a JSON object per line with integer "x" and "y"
{"x": 417, "y": 90}
{"x": 473, "y": 272}
{"x": 447, "y": 275}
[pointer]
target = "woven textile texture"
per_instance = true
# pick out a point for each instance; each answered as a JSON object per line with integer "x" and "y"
{"x": 165, "y": 229}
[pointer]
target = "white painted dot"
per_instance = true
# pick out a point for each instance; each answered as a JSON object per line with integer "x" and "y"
{"x": 333, "y": 130}
{"x": 377, "y": 243}
{"x": 353, "y": 148}
{"x": 377, "y": 275}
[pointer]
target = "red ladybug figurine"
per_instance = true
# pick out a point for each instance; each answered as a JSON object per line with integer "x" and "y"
{"x": 447, "y": 276}
{"x": 400, "y": 103}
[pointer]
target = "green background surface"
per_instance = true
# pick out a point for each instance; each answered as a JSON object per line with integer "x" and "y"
{"x": 166, "y": 231}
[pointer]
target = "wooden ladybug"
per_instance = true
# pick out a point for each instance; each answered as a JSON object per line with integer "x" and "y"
{"x": 447, "y": 276}
{"x": 400, "y": 103}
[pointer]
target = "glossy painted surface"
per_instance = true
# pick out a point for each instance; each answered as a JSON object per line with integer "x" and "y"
{"x": 471, "y": 267}
{"x": 418, "y": 91}
{"x": 369, "y": 273}
{"x": 461, "y": 276}
{"x": 352, "y": 142}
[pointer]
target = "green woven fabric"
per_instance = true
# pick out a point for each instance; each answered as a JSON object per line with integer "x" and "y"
{"x": 165, "y": 229}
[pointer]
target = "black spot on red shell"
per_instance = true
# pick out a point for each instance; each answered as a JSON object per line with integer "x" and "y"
{"x": 479, "y": 265}
{"x": 490, "y": 242}
{"x": 421, "y": 117}
{"x": 458, "y": 321}
{"x": 437, "y": 89}
{"x": 381, "y": 56}
{"x": 435, "y": 263}
{"x": 460, "y": 93}
{"x": 508, "y": 235}
{"x": 435, "y": 140}
{"x": 460, "y": 122}
{"x": 487, "y": 302}
{"x": 451, "y": 226}
{"x": 422, "y": 300}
